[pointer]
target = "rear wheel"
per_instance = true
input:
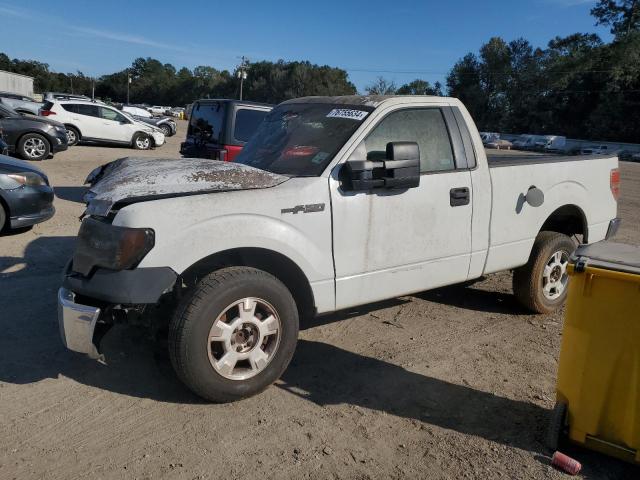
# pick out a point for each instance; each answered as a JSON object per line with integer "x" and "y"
{"x": 73, "y": 136}
{"x": 541, "y": 284}
{"x": 141, "y": 141}
{"x": 234, "y": 335}
{"x": 33, "y": 146}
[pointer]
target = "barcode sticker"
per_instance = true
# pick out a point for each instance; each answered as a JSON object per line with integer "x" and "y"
{"x": 347, "y": 113}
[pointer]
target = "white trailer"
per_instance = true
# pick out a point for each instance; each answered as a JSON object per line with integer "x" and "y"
{"x": 16, "y": 83}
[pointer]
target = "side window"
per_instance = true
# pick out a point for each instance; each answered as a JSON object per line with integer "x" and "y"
{"x": 207, "y": 120}
{"x": 109, "y": 114}
{"x": 89, "y": 110}
{"x": 426, "y": 126}
{"x": 247, "y": 122}
{"x": 70, "y": 107}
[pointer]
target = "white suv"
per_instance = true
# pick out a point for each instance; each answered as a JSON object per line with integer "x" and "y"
{"x": 95, "y": 122}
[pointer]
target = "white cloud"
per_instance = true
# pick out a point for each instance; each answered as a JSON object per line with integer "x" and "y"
{"x": 124, "y": 37}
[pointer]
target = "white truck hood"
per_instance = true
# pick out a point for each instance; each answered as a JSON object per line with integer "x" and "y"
{"x": 131, "y": 180}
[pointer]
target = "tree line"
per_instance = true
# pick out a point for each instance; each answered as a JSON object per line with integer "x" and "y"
{"x": 578, "y": 86}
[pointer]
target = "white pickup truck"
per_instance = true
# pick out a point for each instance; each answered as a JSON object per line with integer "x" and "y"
{"x": 335, "y": 202}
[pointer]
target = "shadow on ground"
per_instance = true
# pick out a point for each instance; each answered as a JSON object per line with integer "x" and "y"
{"x": 71, "y": 194}
{"x": 320, "y": 373}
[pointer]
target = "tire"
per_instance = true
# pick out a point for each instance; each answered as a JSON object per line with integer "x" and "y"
{"x": 73, "y": 135}
{"x": 141, "y": 141}
{"x": 541, "y": 284}
{"x": 199, "y": 345}
{"x": 34, "y": 146}
{"x": 557, "y": 426}
{"x": 166, "y": 129}
{"x": 3, "y": 217}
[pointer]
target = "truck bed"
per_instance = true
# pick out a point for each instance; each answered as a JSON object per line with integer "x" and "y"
{"x": 508, "y": 158}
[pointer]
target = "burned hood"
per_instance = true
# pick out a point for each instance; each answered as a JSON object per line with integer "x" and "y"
{"x": 131, "y": 180}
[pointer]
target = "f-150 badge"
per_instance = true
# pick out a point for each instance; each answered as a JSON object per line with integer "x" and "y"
{"x": 314, "y": 207}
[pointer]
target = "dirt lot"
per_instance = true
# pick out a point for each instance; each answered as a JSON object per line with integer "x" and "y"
{"x": 452, "y": 383}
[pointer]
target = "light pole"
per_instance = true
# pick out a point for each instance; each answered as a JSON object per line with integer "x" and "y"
{"x": 242, "y": 73}
{"x": 128, "y": 83}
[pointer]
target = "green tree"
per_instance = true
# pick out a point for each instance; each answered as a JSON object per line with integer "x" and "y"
{"x": 623, "y": 16}
{"x": 381, "y": 86}
{"x": 420, "y": 87}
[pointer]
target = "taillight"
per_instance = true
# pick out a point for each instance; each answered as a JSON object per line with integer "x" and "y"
{"x": 232, "y": 152}
{"x": 46, "y": 113}
{"x": 614, "y": 183}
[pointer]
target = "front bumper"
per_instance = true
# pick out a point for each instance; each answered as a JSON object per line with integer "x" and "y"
{"x": 158, "y": 138}
{"x": 77, "y": 324}
{"x": 29, "y": 205}
{"x": 59, "y": 142}
{"x": 32, "y": 219}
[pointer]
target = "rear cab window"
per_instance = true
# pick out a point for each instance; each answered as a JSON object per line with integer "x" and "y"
{"x": 207, "y": 119}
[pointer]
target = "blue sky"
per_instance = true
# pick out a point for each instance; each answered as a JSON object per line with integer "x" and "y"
{"x": 398, "y": 39}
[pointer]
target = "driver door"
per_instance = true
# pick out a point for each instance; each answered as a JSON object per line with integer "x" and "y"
{"x": 395, "y": 242}
{"x": 115, "y": 126}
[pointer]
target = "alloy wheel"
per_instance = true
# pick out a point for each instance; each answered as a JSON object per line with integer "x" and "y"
{"x": 244, "y": 338}
{"x": 34, "y": 147}
{"x": 555, "y": 276}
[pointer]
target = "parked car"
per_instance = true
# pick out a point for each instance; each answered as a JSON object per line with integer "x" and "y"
{"x": 595, "y": 150}
{"x": 218, "y": 129}
{"x": 166, "y": 124}
{"x": 177, "y": 112}
{"x": 27, "y": 197}
{"x": 499, "y": 144}
{"x": 20, "y": 103}
{"x": 32, "y": 138}
{"x": 629, "y": 156}
{"x": 53, "y": 96}
{"x": 550, "y": 143}
{"x": 157, "y": 110}
{"x": 525, "y": 142}
{"x": 489, "y": 136}
{"x": 92, "y": 122}
{"x": 323, "y": 210}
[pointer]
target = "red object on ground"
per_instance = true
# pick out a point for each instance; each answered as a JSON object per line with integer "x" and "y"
{"x": 565, "y": 463}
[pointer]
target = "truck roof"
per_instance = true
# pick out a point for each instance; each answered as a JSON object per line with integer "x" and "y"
{"x": 365, "y": 100}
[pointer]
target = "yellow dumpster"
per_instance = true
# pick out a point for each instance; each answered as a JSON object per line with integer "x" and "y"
{"x": 598, "y": 391}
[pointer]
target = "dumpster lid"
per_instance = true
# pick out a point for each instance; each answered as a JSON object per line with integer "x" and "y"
{"x": 610, "y": 256}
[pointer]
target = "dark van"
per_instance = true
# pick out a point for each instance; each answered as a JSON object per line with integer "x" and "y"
{"x": 219, "y": 128}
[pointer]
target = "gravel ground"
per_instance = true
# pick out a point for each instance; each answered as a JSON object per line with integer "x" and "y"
{"x": 452, "y": 383}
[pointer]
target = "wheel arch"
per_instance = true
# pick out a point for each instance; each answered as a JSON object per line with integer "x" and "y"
{"x": 138, "y": 132}
{"x": 569, "y": 219}
{"x": 5, "y": 205}
{"x": 277, "y": 264}
{"x": 37, "y": 132}
{"x": 71, "y": 125}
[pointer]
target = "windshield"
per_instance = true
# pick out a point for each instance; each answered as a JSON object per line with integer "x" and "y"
{"x": 301, "y": 139}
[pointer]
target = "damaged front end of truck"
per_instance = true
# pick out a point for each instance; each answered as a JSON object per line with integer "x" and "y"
{"x": 102, "y": 283}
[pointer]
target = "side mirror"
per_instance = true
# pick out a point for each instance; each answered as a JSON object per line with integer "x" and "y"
{"x": 399, "y": 170}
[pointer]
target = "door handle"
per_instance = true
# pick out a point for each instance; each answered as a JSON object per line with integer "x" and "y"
{"x": 459, "y": 196}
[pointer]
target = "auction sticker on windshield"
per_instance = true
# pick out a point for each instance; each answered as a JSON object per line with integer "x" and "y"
{"x": 347, "y": 113}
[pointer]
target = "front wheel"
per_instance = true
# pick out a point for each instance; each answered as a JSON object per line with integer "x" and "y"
{"x": 141, "y": 141}
{"x": 166, "y": 129}
{"x": 34, "y": 146}
{"x": 234, "y": 335}
{"x": 541, "y": 284}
